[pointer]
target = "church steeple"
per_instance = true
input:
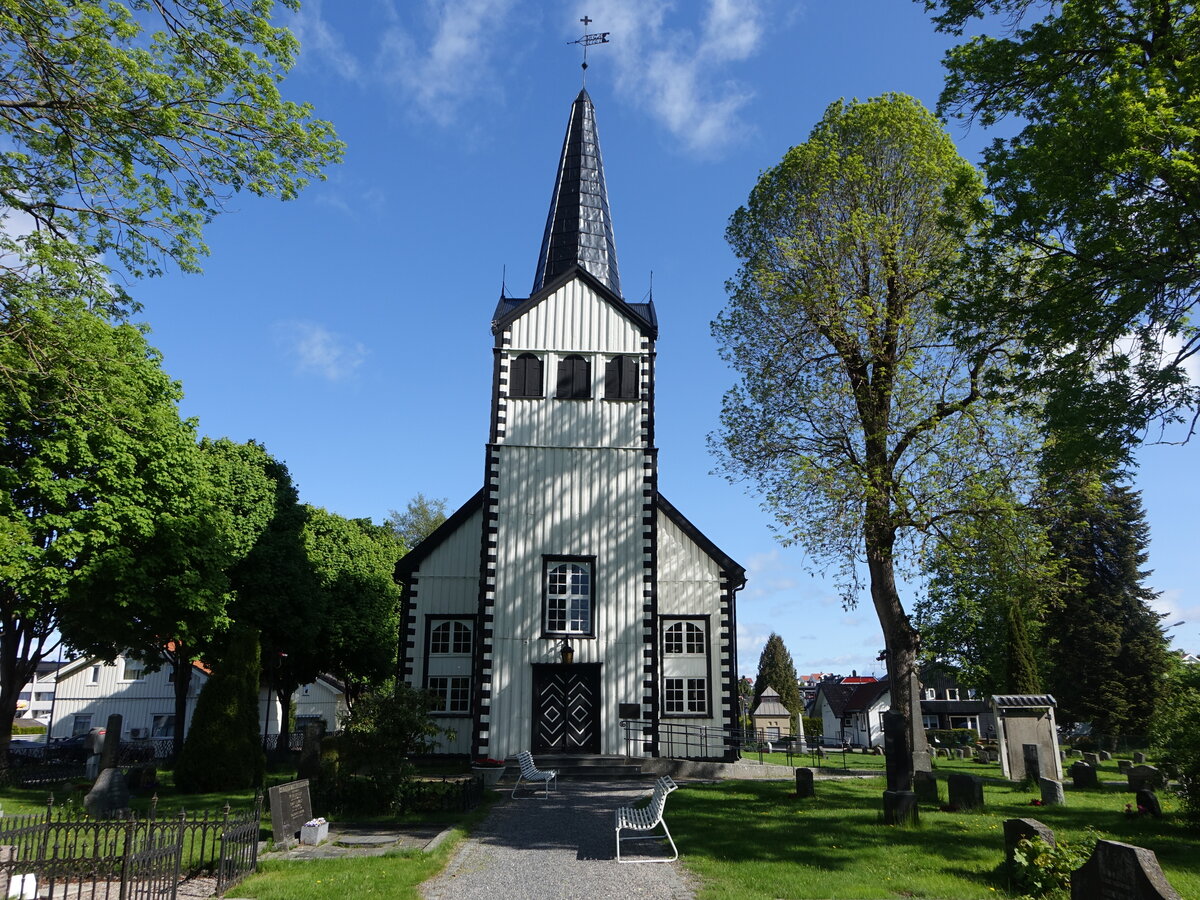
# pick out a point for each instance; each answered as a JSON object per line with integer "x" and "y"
{"x": 579, "y": 226}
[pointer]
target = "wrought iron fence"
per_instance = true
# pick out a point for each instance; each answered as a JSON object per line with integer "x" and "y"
{"x": 714, "y": 742}
{"x": 72, "y": 854}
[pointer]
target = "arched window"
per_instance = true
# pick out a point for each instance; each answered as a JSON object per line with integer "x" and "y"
{"x": 568, "y": 597}
{"x": 621, "y": 379}
{"x": 450, "y": 637}
{"x": 683, "y": 637}
{"x": 525, "y": 376}
{"x": 574, "y": 378}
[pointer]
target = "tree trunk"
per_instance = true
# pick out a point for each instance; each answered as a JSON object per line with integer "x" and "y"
{"x": 183, "y": 682}
{"x": 15, "y": 672}
{"x": 283, "y": 694}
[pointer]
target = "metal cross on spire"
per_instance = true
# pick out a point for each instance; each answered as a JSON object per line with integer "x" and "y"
{"x": 588, "y": 40}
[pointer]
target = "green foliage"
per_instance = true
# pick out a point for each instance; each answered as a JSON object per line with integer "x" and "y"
{"x": 223, "y": 750}
{"x": 1096, "y": 194}
{"x": 952, "y": 737}
{"x": 1039, "y": 870}
{"x": 420, "y": 519}
{"x": 1176, "y": 733}
{"x": 128, "y": 125}
{"x": 1107, "y": 650}
{"x": 776, "y": 669}
{"x": 373, "y": 760}
{"x": 814, "y": 726}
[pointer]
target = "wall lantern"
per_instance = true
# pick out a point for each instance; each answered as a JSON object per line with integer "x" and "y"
{"x": 568, "y": 652}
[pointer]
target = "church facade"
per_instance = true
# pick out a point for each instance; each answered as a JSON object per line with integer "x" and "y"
{"x": 568, "y": 596}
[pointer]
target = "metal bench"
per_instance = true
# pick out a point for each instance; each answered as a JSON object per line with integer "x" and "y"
{"x": 647, "y": 818}
{"x": 532, "y": 774}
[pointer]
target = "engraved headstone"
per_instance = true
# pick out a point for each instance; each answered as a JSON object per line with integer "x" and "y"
{"x": 1033, "y": 766}
{"x": 1139, "y": 757}
{"x": 291, "y": 807}
{"x": 1083, "y": 775}
{"x": 1052, "y": 792}
{"x": 1119, "y": 871}
{"x": 110, "y": 794}
{"x": 804, "y": 783}
{"x": 1092, "y": 759}
{"x": 1105, "y": 756}
{"x": 1016, "y": 830}
{"x": 1147, "y": 800}
{"x": 1123, "y": 766}
{"x": 965, "y": 791}
{"x": 925, "y": 786}
{"x": 110, "y": 744}
{"x": 899, "y": 807}
{"x": 1145, "y": 776}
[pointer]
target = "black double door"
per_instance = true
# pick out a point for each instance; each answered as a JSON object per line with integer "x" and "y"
{"x": 566, "y": 708}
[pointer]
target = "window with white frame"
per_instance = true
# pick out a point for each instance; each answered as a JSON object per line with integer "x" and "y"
{"x": 452, "y": 693}
{"x": 930, "y": 694}
{"x": 685, "y": 696}
{"x": 81, "y": 725}
{"x": 450, "y": 637}
{"x": 93, "y": 676}
{"x": 683, "y": 638}
{"x": 132, "y": 669}
{"x": 568, "y": 595}
{"x": 162, "y": 726}
{"x": 951, "y": 693}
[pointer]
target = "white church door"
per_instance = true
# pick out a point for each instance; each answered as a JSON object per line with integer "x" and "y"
{"x": 566, "y": 708}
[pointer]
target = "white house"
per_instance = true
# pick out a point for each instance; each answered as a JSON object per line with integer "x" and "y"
{"x": 568, "y": 595}
{"x": 851, "y": 711}
{"x": 35, "y": 701}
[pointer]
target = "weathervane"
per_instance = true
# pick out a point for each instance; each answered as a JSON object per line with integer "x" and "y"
{"x": 588, "y": 40}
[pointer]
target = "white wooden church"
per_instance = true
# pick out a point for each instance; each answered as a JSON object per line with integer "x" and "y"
{"x": 568, "y": 595}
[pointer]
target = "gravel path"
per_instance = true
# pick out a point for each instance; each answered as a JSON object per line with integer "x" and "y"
{"x": 561, "y": 848}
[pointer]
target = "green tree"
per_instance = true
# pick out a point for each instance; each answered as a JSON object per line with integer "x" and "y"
{"x": 1176, "y": 731}
{"x": 354, "y": 562}
{"x": 128, "y": 125}
{"x": 989, "y": 581}
{"x": 223, "y": 750}
{"x": 855, "y": 416}
{"x": 776, "y": 669}
{"x": 1108, "y": 653}
{"x": 1099, "y": 192}
{"x": 101, "y": 490}
{"x": 420, "y": 519}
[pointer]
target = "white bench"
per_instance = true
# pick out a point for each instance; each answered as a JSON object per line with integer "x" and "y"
{"x": 647, "y": 818}
{"x": 531, "y": 773}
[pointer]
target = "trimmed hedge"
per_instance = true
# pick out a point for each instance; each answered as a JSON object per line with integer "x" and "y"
{"x": 952, "y": 737}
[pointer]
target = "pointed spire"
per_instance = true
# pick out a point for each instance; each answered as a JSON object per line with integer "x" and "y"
{"x": 579, "y": 227}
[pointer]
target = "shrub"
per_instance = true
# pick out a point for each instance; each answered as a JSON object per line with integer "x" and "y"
{"x": 952, "y": 737}
{"x": 1177, "y": 734}
{"x": 814, "y": 726}
{"x": 1039, "y": 870}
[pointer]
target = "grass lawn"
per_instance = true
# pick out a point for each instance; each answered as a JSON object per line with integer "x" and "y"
{"x": 755, "y": 840}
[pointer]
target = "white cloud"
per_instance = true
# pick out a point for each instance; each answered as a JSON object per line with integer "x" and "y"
{"x": 319, "y": 43}
{"x": 447, "y": 62}
{"x": 319, "y": 351}
{"x": 676, "y": 73}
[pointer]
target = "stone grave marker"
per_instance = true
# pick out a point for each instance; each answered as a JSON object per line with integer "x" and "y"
{"x": 1148, "y": 800}
{"x": 925, "y": 786}
{"x": 1092, "y": 759}
{"x": 899, "y": 807}
{"x": 965, "y": 791}
{"x": 1033, "y": 765}
{"x": 1016, "y": 830}
{"x": 1083, "y": 775}
{"x": 291, "y": 807}
{"x": 1052, "y": 792}
{"x": 1139, "y": 757}
{"x": 1119, "y": 871}
{"x": 1145, "y": 776}
{"x": 1105, "y": 756}
{"x": 1123, "y": 766}
{"x": 110, "y": 793}
{"x": 804, "y": 783}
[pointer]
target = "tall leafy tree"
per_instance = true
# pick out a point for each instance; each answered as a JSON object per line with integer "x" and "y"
{"x": 420, "y": 519}
{"x": 100, "y": 486}
{"x": 776, "y": 669}
{"x": 126, "y": 126}
{"x": 1108, "y": 650}
{"x": 1099, "y": 192}
{"x": 855, "y": 415}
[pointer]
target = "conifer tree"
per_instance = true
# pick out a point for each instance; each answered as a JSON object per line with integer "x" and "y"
{"x": 776, "y": 669}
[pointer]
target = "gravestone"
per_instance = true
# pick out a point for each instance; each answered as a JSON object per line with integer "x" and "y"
{"x": 1033, "y": 765}
{"x": 1105, "y": 756}
{"x": 1148, "y": 800}
{"x": 804, "y": 783}
{"x": 310, "y": 753}
{"x": 1083, "y": 775}
{"x": 110, "y": 793}
{"x": 896, "y": 749}
{"x": 1119, "y": 871}
{"x": 1139, "y": 757}
{"x": 1092, "y": 759}
{"x": 925, "y": 786}
{"x": 965, "y": 791}
{"x": 1016, "y": 830}
{"x": 1052, "y": 792}
{"x": 1123, "y": 766}
{"x": 291, "y": 807}
{"x": 1145, "y": 776}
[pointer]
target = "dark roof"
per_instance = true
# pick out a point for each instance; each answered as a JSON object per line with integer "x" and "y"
{"x": 1025, "y": 700}
{"x": 955, "y": 707}
{"x": 846, "y": 698}
{"x": 579, "y": 227}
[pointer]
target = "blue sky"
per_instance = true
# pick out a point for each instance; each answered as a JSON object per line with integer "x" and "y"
{"x": 349, "y": 330}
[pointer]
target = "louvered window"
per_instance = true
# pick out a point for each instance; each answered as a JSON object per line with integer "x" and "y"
{"x": 621, "y": 379}
{"x": 525, "y": 376}
{"x": 574, "y": 378}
